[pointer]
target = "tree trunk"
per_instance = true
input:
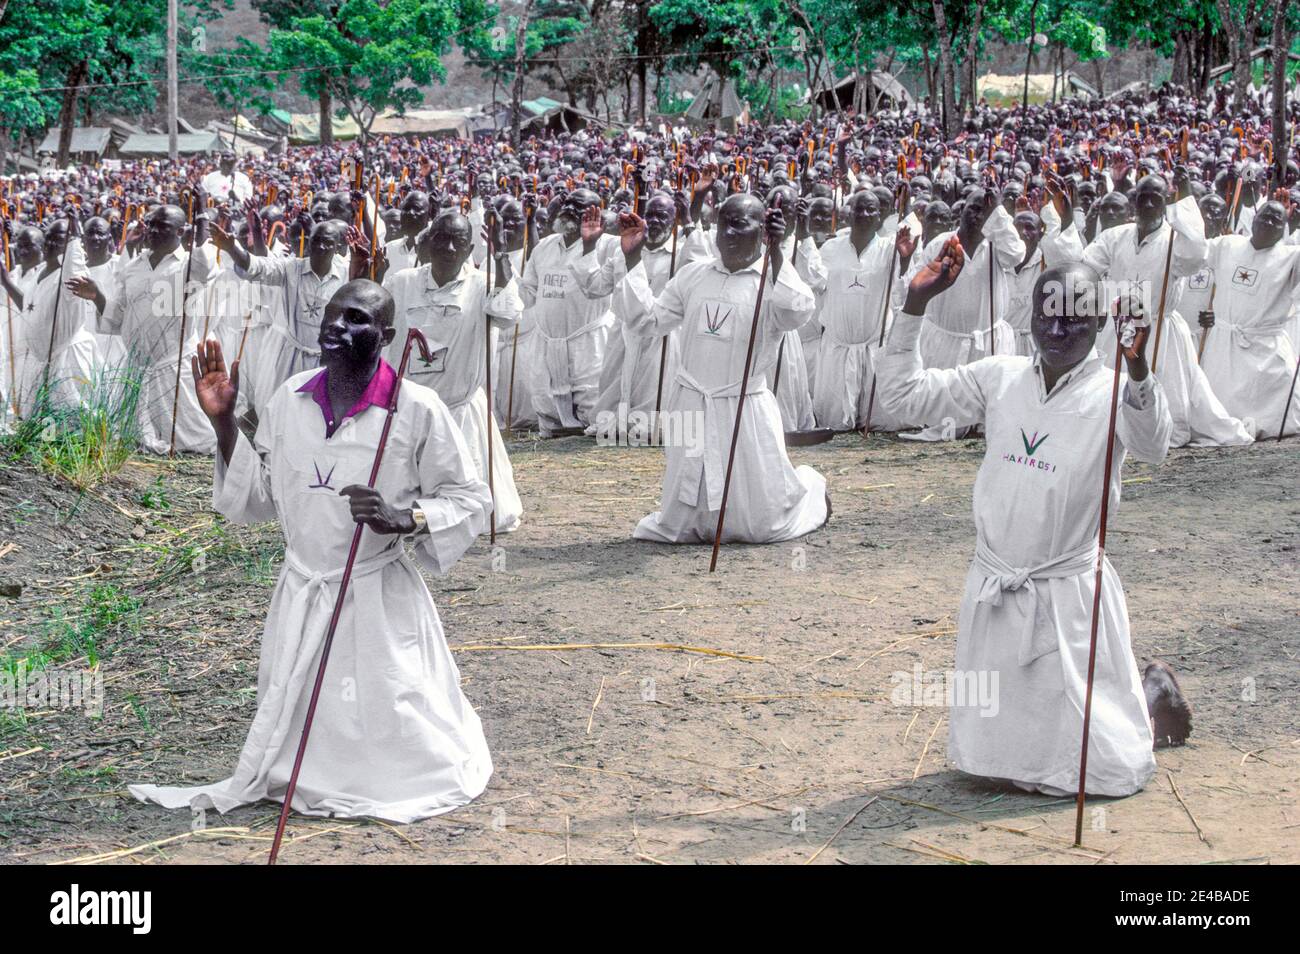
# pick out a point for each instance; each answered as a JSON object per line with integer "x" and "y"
{"x": 1281, "y": 44}
{"x": 642, "y": 69}
{"x": 1239, "y": 26}
{"x": 68, "y": 114}
{"x": 929, "y": 73}
{"x": 325, "y": 113}
{"x": 1029, "y": 56}
{"x": 969, "y": 93}
{"x": 517, "y": 90}
{"x": 948, "y": 81}
{"x": 173, "y": 83}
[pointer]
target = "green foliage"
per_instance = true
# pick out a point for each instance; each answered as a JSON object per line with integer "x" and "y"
{"x": 154, "y": 497}
{"x": 87, "y": 443}
{"x": 106, "y": 615}
{"x": 369, "y": 56}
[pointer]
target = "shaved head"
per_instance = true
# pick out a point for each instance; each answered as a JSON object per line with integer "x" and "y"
{"x": 361, "y": 294}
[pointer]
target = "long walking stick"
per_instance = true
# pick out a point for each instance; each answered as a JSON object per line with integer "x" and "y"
{"x": 1164, "y": 291}
{"x": 9, "y": 302}
{"x": 243, "y": 337}
{"x": 992, "y": 318}
{"x": 884, "y": 315}
{"x": 412, "y": 337}
{"x": 54, "y": 316}
{"x": 1096, "y": 595}
{"x": 740, "y": 406}
{"x": 1287, "y": 408}
{"x": 1205, "y": 332}
{"x": 776, "y": 375}
{"x": 514, "y": 344}
{"x": 487, "y": 360}
{"x": 180, "y": 356}
{"x": 663, "y": 347}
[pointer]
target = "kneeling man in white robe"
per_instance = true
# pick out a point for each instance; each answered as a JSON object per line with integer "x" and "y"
{"x": 394, "y": 736}
{"x": 1027, "y": 611}
{"x": 712, "y": 303}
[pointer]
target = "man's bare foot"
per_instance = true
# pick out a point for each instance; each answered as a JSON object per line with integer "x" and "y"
{"x": 1171, "y": 716}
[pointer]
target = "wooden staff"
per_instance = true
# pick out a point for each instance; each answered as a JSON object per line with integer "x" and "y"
{"x": 1164, "y": 291}
{"x": 180, "y": 351}
{"x": 207, "y": 312}
{"x": 243, "y": 337}
{"x": 487, "y": 359}
{"x": 374, "y": 229}
{"x": 1286, "y": 409}
{"x": 126, "y": 224}
{"x": 9, "y": 304}
{"x": 412, "y": 337}
{"x": 884, "y": 315}
{"x": 54, "y": 316}
{"x": 1236, "y": 201}
{"x": 992, "y": 318}
{"x": 1205, "y": 332}
{"x": 514, "y": 344}
{"x": 1096, "y": 586}
{"x": 657, "y": 439}
{"x": 740, "y": 404}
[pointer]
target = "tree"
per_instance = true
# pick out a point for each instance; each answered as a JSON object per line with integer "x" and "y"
{"x": 1239, "y": 20}
{"x": 73, "y": 45}
{"x": 369, "y": 57}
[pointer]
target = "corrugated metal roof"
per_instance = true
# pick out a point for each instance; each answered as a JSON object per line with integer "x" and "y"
{"x": 147, "y": 144}
{"x": 84, "y": 139}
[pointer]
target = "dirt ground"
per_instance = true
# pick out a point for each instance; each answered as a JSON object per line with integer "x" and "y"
{"x": 788, "y": 751}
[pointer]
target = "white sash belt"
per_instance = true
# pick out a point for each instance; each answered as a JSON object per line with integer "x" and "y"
{"x": 704, "y": 459}
{"x": 1000, "y": 577}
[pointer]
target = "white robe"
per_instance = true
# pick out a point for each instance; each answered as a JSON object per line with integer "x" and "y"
{"x": 770, "y": 500}
{"x": 110, "y": 352}
{"x": 401, "y": 253}
{"x": 512, "y": 391}
{"x": 957, "y": 328}
{"x": 630, "y": 373}
{"x": 790, "y": 385}
{"x": 1027, "y": 610}
{"x": 453, "y": 318}
{"x": 853, "y": 308}
{"x": 144, "y": 307}
{"x": 1249, "y": 356}
{"x": 1200, "y": 418}
{"x": 572, "y": 330}
{"x": 394, "y": 736}
{"x": 40, "y": 334}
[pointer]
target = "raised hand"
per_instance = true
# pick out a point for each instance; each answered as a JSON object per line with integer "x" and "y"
{"x": 905, "y": 243}
{"x": 935, "y": 277}
{"x": 591, "y": 227}
{"x": 221, "y": 238}
{"x": 631, "y": 236}
{"x": 213, "y": 386}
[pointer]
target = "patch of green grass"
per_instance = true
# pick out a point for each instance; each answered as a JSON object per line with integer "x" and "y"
{"x": 106, "y": 613}
{"x": 155, "y": 497}
{"x": 89, "y": 442}
{"x": 141, "y": 711}
{"x": 13, "y": 722}
{"x": 22, "y": 512}
{"x": 102, "y": 774}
